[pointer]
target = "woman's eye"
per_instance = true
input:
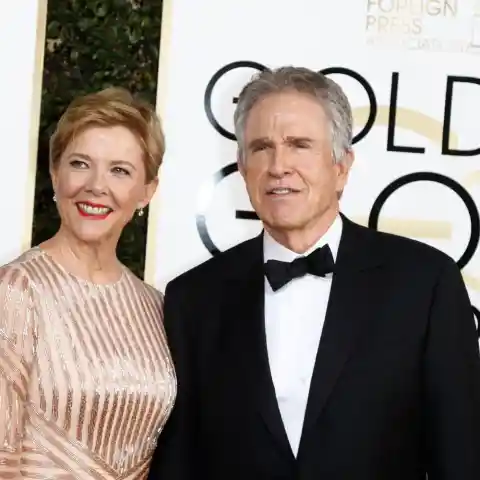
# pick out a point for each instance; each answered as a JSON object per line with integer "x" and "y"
{"x": 78, "y": 164}
{"x": 120, "y": 171}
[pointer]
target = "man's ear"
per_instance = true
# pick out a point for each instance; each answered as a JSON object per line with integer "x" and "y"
{"x": 343, "y": 170}
{"x": 240, "y": 163}
{"x": 348, "y": 160}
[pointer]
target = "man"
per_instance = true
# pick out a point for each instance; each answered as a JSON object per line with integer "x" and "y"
{"x": 320, "y": 349}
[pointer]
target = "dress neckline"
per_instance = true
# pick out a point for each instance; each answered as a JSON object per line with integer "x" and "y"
{"x": 79, "y": 279}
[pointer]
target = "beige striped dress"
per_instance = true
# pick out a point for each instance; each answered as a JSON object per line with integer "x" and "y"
{"x": 86, "y": 379}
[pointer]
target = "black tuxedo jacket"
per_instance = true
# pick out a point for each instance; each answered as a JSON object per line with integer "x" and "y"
{"x": 395, "y": 391}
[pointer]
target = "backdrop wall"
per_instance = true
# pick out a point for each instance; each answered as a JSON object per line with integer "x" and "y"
{"x": 22, "y": 34}
{"x": 411, "y": 70}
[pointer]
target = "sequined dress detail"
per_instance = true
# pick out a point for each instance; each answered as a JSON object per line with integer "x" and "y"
{"x": 86, "y": 378}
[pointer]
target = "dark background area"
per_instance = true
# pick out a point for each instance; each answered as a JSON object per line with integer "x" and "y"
{"x": 90, "y": 45}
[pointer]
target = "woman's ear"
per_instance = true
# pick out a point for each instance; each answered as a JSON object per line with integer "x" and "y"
{"x": 54, "y": 178}
{"x": 150, "y": 189}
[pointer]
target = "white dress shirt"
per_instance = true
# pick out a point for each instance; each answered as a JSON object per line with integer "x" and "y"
{"x": 294, "y": 318}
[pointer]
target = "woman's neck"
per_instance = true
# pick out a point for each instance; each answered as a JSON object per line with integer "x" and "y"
{"x": 95, "y": 262}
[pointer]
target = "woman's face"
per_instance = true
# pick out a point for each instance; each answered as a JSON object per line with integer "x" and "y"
{"x": 99, "y": 183}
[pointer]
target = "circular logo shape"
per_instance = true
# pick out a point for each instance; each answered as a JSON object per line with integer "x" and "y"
{"x": 442, "y": 180}
{"x": 372, "y": 115}
{"x": 206, "y": 196}
{"x": 476, "y": 313}
{"x": 207, "y": 101}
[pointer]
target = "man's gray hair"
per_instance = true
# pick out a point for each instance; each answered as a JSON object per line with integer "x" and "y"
{"x": 302, "y": 80}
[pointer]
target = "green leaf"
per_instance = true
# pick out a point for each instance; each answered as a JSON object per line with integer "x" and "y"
{"x": 94, "y": 44}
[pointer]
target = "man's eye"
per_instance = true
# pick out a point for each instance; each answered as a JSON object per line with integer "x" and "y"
{"x": 259, "y": 148}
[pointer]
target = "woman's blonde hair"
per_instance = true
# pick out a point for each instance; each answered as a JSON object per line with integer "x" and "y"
{"x": 111, "y": 107}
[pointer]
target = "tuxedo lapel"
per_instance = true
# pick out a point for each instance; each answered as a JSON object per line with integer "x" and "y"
{"x": 349, "y": 306}
{"x": 245, "y": 303}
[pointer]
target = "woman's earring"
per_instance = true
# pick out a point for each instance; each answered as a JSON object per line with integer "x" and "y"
{"x": 140, "y": 212}
{"x": 54, "y": 198}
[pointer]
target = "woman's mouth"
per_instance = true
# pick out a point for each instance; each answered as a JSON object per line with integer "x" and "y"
{"x": 93, "y": 210}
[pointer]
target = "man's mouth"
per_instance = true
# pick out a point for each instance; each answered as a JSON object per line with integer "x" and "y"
{"x": 280, "y": 191}
{"x": 93, "y": 210}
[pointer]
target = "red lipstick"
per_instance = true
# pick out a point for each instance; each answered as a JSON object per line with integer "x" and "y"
{"x": 92, "y": 215}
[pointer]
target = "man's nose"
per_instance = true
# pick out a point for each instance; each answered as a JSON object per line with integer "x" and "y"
{"x": 279, "y": 164}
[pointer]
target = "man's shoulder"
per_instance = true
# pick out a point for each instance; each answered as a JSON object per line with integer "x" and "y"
{"x": 401, "y": 250}
{"x": 218, "y": 268}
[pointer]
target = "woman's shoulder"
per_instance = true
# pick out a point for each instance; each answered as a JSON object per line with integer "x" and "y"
{"x": 146, "y": 289}
{"x": 15, "y": 276}
{"x": 30, "y": 265}
{"x": 18, "y": 267}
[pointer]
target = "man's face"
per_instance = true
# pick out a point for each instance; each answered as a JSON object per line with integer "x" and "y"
{"x": 288, "y": 167}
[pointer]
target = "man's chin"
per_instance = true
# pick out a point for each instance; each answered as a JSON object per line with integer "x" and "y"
{"x": 283, "y": 224}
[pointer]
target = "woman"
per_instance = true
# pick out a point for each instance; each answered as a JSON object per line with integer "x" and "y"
{"x": 86, "y": 379}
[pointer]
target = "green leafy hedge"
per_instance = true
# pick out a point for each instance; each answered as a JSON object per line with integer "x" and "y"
{"x": 92, "y": 44}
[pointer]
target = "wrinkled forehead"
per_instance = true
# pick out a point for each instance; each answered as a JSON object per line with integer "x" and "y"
{"x": 287, "y": 113}
{"x": 105, "y": 142}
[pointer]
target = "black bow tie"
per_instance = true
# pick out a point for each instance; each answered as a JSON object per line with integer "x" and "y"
{"x": 320, "y": 262}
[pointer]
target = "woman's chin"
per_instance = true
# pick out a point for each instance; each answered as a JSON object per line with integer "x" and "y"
{"x": 93, "y": 235}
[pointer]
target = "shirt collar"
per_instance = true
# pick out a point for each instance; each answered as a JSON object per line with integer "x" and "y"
{"x": 272, "y": 250}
